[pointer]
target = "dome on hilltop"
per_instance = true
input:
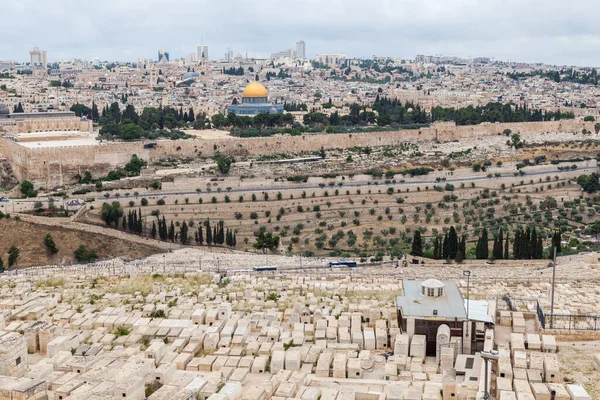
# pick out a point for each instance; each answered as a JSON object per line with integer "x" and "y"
{"x": 255, "y": 89}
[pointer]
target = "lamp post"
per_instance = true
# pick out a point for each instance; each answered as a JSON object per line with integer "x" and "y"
{"x": 487, "y": 357}
{"x": 467, "y": 273}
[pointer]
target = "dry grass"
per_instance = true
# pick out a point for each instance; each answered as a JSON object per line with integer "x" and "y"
{"x": 29, "y": 238}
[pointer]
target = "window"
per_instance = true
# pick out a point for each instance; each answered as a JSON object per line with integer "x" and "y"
{"x": 430, "y": 292}
{"x": 18, "y": 361}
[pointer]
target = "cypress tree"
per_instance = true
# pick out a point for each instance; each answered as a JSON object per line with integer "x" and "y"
{"x": 200, "y": 236}
{"x": 506, "y": 253}
{"x": 172, "y": 232}
{"x": 452, "y": 243}
{"x": 533, "y": 244}
{"x": 163, "y": 230}
{"x": 517, "y": 245}
{"x": 234, "y": 240}
{"x": 436, "y": 248}
{"x": 209, "y": 240}
{"x": 183, "y": 233}
{"x": 153, "y": 231}
{"x": 140, "y": 223}
{"x": 539, "y": 249}
{"x": 500, "y": 244}
{"x": 482, "y": 250}
{"x": 445, "y": 255}
{"x": 417, "y": 245}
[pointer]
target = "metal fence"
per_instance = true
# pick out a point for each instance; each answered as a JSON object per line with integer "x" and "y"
{"x": 568, "y": 322}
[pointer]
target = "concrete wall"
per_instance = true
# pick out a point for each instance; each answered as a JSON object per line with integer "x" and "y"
{"x": 55, "y": 166}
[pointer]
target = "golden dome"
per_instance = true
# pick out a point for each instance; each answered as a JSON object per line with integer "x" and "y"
{"x": 255, "y": 89}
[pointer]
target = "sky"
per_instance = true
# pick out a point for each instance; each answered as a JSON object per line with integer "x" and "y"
{"x": 550, "y": 31}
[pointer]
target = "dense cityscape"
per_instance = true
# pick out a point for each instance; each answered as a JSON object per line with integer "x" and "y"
{"x": 298, "y": 225}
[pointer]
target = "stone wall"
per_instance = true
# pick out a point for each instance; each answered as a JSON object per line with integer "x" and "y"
{"x": 55, "y": 166}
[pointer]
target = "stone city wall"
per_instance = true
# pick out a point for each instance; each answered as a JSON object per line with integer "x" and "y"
{"x": 54, "y": 166}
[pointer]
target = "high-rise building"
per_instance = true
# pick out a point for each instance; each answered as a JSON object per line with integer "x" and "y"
{"x": 163, "y": 55}
{"x": 38, "y": 58}
{"x": 202, "y": 52}
{"x": 229, "y": 55}
{"x": 301, "y": 49}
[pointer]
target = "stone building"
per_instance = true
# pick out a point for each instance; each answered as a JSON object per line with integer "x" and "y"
{"x": 255, "y": 101}
{"x": 54, "y": 121}
{"x": 13, "y": 355}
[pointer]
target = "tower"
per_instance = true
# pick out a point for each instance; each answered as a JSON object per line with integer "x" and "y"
{"x": 163, "y": 55}
{"x": 38, "y": 58}
{"x": 301, "y": 49}
{"x": 202, "y": 52}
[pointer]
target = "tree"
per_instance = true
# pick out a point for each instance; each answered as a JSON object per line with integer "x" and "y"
{"x": 27, "y": 189}
{"x": 482, "y": 250}
{"x": 1, "y": 265}
{"x": 452, "y": 243}
{"x": 589, "y": 183}
{"x": 223, "y": 162}
{"x": 597, "y": 127}
{"x": 200, "y": 235}
{"x": 111, "y": 213}
{"x": 497, "y": 252}
{"x": 153, "y": 231}
{"x": 162, "y": 229}
{"x": 95, "y": 114}
{"x": 437, "y": 251}
{"x": 183, "y": 234}
{"x": 13, "y": 255}
{"x": 172, "y": 232}
{"x": 417, "y": 245}
{"x": 556, "y": 243}
{"x": 266, "y": 241}
{"x": 506, "y": 250}
{"x": 135, "y": 165}
{"x": 50, "y": 245}
{"x": 209, "y": 235}
{"x": 131, "y": 131}
{"x": 83, "y": 254}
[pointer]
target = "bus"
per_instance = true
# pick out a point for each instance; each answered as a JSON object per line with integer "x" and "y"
{"x": 343, "y": 264}
{"x": 263, "y": 269}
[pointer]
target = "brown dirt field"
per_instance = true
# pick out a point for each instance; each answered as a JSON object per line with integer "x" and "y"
{"x": 29, "y": 238}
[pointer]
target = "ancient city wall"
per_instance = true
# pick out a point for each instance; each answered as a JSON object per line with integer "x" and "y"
{"x": 55, "y": 166}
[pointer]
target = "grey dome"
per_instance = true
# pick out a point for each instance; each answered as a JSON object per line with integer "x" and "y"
{"x": 4, "y": 109}
{"x": 189, "y": 75}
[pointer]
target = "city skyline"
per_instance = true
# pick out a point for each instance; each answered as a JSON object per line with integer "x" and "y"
{"x": 517, "y": 31}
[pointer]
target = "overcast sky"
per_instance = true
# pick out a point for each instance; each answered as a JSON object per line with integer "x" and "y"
{"x": 551, "y": 31}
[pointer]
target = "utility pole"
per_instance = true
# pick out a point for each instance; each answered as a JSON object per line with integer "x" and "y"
{"x": 552, "y": 296}
{"x": 467, "y": 273}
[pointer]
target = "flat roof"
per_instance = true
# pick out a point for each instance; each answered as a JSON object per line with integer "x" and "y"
{"x": 414, "y": 304}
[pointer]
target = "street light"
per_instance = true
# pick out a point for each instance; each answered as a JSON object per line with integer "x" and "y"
{"x": 487, "y": 357}
{"x": 467, "y": 273}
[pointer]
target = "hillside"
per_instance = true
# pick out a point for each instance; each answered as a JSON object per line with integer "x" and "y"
{"x": 29, "y": 238}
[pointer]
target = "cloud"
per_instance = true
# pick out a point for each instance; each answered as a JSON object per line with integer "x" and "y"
{"x": 522, "y": 30}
